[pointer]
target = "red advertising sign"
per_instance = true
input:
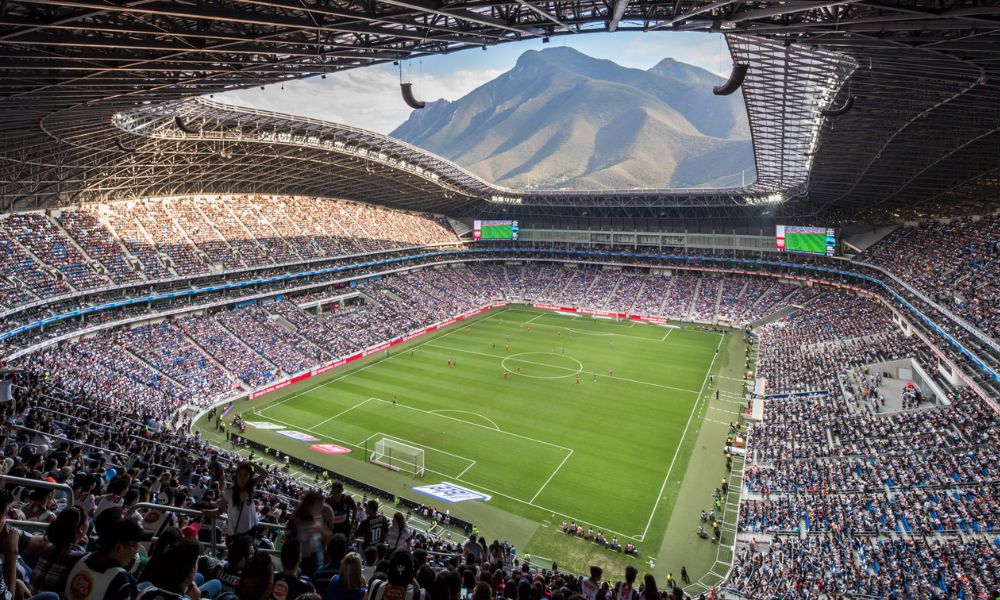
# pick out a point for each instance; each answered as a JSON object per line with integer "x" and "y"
{"x": 329, "y": 449}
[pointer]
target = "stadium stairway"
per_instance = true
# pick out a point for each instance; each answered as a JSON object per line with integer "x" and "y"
{"x": 91, "y": 261}
{"x": 776, "y": 315}
{"x": 718, "y": 302}
{"x": 150, "y": 366}
{"x": 689, "y": 315}
{"x": 39, "y": 263}
{"x": 194, "y": 343}
{"x": 246, "y": 347}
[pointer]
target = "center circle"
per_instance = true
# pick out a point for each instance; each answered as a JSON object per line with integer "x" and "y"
{"x": 515, "y": 358}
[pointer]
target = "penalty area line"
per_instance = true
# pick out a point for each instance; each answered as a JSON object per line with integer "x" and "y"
{"x": 551, "y": 476}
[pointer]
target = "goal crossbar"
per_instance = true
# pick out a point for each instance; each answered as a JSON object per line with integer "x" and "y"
{"x": 398, "y": 456}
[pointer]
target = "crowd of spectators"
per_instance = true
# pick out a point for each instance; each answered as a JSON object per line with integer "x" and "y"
{"x": 840, "y": 500}
{"x": 681, "y": 295}
{"x": 98, "y": 246}
{"x": 874, "y": 490}
{"x": 41, "y": 237}
{"x": 154, "y": 512}
{"x": 954, "y": 262}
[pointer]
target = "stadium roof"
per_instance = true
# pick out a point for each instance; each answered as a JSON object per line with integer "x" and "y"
{"x": 918, "y": 79}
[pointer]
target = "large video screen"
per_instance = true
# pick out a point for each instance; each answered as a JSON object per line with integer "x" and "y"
{"x": 806, "y": 240}
{"x": 494, "y": 230}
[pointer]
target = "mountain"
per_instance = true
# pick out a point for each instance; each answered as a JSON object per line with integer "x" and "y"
{"x": 561, "y": 119}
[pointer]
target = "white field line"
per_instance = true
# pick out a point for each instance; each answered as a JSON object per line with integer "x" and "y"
{"x": 510, "y": 433}
{"x": 416, "y": 445}
{"x": 551, "y": 476}
{"x": 664, "y": 338}
{"x": 372, "y": 364}
{"x": 638, "y": 538}
{"x": 599, "y": 333}
{"x": 319, "y": 385}
{"x": 467, "y": 412}
{"x": 673, "y": 461}
{"x": 466, "y": 470}
{"x": 732, "y": 547}
{"x": 486, "y": 489}
{"x": 739, "y": 402}
{"x": 345, "y": 411}
{"x": 616, "y": 377}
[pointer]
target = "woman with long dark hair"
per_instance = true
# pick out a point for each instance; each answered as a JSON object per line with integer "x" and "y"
{"x": 66, "y": 537}
{"x": 400, "y": 537}
{"x": 238, "y": 500}
{"x": 649, "y": 591}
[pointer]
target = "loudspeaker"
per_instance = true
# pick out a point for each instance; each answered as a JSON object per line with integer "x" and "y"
{"x": 734, "y": 82}
{"x": 411, "y": 101}
{"x": 183, "y": 126}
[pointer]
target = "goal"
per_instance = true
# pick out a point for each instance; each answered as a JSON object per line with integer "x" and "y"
{"x": 398, "y": 456}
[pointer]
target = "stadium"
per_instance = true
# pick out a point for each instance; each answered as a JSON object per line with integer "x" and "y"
{"x": 251, "y": 354}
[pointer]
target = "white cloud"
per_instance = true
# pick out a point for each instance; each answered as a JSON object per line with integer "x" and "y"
{"x": 366, "y": 98}
{"x": 709, "y": 52}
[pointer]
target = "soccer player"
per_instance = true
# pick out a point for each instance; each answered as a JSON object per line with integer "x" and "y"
{"x": 506, "y": 347}
{"x": 494, "y": 345}
{"x": 394, "y": 403}
{"x": 505, "y": 374}
{"x": 611, "y": 373}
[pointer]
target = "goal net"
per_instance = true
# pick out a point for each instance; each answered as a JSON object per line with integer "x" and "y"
{"x": 398, "y": 456}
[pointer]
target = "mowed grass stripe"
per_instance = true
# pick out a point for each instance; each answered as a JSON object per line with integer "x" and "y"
{"x": 623, "y": 434}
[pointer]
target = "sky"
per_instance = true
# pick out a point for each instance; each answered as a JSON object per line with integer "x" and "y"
{"x": 369, "y": 98}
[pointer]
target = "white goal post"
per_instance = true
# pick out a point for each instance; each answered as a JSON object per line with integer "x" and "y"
{"x": 399, "y": 456}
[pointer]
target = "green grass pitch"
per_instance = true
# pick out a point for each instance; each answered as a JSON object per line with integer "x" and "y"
{"x": 557, "y": 439}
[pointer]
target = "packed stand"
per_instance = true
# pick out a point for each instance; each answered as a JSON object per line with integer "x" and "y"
{"x": 99, "y": 245}
{"x": 957, "y": 264}
{"x": 841, "y": 501}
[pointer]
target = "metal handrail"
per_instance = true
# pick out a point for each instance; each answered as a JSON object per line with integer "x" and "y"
{"x": 71, "y": 441}
{"x": 78, "y": 443}
{"x": 38, "y": 483}
{"x": 28, "y": 525}
{"x": 200, "y": 514}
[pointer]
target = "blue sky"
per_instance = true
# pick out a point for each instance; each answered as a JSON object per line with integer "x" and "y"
{"x": 369, "y": 97}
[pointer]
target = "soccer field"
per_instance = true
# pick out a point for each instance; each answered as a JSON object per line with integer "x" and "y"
{"x": 558, "y": 435}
